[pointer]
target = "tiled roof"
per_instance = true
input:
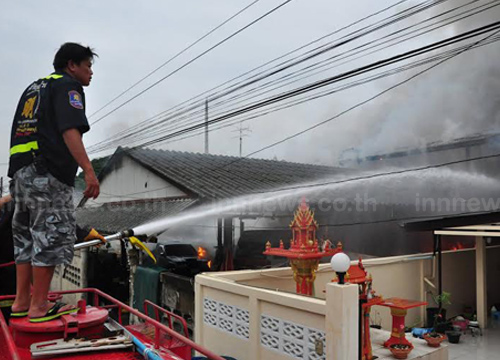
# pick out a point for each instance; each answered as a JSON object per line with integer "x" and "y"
{"x": 217, "y": 176}
{"x": 113, "y": 217}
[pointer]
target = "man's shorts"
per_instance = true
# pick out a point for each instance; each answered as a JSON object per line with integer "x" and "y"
{"x": 43, "y": 225}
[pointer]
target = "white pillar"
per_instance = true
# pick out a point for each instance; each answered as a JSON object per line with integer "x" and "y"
{"x": 481, "y": 295}
{"x": 198, "y": 314}
{"x": 254, "y": 327}
{"x": 342, "y": 321}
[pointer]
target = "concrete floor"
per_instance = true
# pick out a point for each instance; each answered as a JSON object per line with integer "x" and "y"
{"x": 484, "y": 347}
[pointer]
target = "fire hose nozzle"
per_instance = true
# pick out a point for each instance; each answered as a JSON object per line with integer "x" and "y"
{"x": 128, "y": 233}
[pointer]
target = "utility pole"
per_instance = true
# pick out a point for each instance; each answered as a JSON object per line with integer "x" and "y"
{"x": 241, "y": 135}
{"x": 206, "y": 126}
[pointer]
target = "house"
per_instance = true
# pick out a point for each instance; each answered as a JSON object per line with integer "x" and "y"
{"x": 143, "y": 185}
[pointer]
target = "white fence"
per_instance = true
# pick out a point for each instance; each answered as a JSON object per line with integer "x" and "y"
{"x": 262, "y": 321}
{"x": 251, "y": 323}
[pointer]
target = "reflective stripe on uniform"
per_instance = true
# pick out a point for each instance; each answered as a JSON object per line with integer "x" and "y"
{"x": 53, "y": 76}
{"x": 23, "y": 148}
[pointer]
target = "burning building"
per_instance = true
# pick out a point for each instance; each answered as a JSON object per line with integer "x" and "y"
{"x": 458, "y": 176}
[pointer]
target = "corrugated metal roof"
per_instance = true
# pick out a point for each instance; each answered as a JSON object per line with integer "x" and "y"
{"x": 217, "y": 176}
{"x": 114, "y": 217}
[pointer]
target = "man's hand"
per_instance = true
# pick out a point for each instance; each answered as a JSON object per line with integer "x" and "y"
{"x": 92, "y": 189}
{"x": 93, "y": 235}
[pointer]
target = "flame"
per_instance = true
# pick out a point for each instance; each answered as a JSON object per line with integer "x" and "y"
{"x": 458, "y": 246}
{"x": 209, "y": 264}
{"x": 202, "y": 253}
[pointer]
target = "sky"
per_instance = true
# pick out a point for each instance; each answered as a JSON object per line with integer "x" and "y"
{"x": 458, "y": 98}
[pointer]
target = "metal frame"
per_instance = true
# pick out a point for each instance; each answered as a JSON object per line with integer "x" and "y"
{"x": 479, "y": 232}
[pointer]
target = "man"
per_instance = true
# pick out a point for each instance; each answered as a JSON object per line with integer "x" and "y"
{"x": 46, "y": 150}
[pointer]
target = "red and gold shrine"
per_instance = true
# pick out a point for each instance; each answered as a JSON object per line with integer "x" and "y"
{"x": 304, "y": 252}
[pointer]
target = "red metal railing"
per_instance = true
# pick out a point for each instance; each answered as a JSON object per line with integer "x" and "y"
{"x": 7, "y": 264}
{"x": 8, "y": 338}
{"x": 169, "y": 315}
{"x": 98, "y": 295}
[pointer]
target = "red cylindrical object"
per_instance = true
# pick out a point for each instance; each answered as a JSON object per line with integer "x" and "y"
{"x": 26, "y": 333}
{"x": 82, "y": 306}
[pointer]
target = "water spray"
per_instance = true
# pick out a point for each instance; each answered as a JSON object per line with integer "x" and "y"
{"x": 239, "y": 203}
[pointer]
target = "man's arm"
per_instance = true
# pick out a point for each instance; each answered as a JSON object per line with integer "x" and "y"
{"x": 73, "y": 140}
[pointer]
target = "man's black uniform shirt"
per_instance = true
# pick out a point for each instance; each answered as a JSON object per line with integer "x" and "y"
{"x": 48, "y": 108}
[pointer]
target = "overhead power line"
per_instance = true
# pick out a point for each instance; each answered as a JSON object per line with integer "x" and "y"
{"x": 364, "y": 102}
{"x": 193, "y": 59}
{"x": 289, "y": 78}
{"x": 328, "y": 81}
{"x": 494, "y": 26}
{"x": 174, "y": 57}
{"x": 350, "y": 109}
{"x": 367, "y": 29}
{"x": 328, "y": 92}
{"x": 154, "y": 130}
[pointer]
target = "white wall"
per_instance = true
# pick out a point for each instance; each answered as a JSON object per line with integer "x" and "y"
{"x": 262, "y": 323}
{"x": 131, "y": 181}
{"x": 231, "y": 319}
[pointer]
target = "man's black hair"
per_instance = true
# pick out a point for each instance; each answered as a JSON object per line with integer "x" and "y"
{"x": 72, "y": 51}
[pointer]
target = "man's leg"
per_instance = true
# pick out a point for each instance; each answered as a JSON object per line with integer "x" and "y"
{"x": 23, "y": 245}
{"x": 23, "y": 282}
{"x": 42, "y": 276}
{"x": 52, "y": 226}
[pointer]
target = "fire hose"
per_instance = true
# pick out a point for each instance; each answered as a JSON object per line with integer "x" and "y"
{"x": 119, "y": 236}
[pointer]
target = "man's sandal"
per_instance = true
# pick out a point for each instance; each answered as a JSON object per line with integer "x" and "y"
{"x": 53, "y": 313}
{"x": 19, "y": 314}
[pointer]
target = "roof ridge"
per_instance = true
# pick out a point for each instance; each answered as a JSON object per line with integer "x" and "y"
{"x": 227, "y": 157}
{"x": 214, "y": 176}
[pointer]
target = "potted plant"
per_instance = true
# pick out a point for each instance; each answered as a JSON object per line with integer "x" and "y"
{"x": 401, "y": 351}
{"x": 436, "y": 336}
{"x": 439, "y": 300}
{"x": 433, "y": 338}
{"x": 453, "y": 336}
